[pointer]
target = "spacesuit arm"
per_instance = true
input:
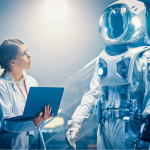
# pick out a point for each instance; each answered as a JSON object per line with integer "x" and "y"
{"x": 89, "y": 101}
{"x": 84, "y": 110}
{"x": 146, "y": 81}
{"x": 144, "y": 135}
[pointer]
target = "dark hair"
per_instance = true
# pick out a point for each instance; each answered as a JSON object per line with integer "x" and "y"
{"x": 8, "y": 52}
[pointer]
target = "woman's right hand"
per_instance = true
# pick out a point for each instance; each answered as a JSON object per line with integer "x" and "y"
{"x": 41, "y": 117}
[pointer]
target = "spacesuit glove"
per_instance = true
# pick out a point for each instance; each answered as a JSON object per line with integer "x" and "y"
{"x": 72, "y": 134}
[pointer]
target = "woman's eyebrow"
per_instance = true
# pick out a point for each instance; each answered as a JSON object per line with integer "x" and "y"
{"x": 24, "y": 51}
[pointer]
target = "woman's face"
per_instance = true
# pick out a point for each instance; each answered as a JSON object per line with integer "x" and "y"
{"x": 23, "y": 59}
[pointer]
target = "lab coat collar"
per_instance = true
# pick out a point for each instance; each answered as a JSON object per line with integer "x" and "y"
{"x": 9, "y": 78}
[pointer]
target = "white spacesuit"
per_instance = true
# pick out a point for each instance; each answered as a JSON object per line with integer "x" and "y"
{"x": 121, "y": 80}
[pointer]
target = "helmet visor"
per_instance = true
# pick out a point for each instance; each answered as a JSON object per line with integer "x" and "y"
{"x": 114, "y": 21}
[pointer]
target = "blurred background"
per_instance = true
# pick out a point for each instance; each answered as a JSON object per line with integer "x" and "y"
{"x": 62, "y": 37}
{"x": 59, "y": 46}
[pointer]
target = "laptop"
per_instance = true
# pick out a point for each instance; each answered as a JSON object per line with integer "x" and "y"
{"x": 38, "y": 97}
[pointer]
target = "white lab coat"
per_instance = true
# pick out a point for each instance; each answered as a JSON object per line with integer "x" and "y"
{"x": 12, "y": 104}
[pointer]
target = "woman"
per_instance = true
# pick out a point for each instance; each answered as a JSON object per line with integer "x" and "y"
{"x": 14, "y": 87}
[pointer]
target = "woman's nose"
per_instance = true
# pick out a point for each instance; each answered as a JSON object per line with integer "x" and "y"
{"x": 29, "y": 56}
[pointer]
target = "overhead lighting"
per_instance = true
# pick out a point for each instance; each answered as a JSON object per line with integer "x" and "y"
{"x": 55, "y": 9}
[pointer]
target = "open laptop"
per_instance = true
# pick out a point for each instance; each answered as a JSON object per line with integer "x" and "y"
{"x": 38, "y": 97}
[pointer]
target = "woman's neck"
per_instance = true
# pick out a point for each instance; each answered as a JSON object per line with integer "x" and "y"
{"x": 17, "y": 75}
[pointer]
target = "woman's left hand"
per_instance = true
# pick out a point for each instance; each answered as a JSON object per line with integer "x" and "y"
{"x": 41, "y": 117}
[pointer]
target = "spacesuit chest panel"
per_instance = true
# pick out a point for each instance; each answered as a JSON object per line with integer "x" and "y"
{"x": 118, "y": 70}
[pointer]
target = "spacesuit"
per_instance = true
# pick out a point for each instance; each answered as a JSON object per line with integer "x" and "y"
{"x": 121, "y": 80}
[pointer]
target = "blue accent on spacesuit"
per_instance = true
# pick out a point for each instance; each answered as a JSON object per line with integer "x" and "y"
{"x": 103, "y": 66}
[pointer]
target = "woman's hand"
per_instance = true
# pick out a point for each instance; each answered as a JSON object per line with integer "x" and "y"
{"x": 41, "y": 117}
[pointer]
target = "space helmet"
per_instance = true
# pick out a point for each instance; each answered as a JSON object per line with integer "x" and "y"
{"x": 123, "y": 22}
